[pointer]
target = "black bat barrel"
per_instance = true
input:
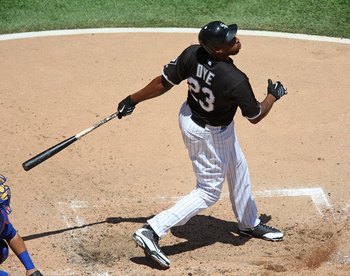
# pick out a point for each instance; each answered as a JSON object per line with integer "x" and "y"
{"x": 41, "y": 157}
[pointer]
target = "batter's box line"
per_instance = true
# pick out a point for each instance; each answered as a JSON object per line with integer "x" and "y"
{"x": 66, "y": 210}
{"x": 317, "y": 196}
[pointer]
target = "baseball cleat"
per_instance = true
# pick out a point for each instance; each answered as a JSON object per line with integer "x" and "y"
{"x": 262, "y": 231}
{"x": 147, "y": 239}
{"x": 36, "y": 273}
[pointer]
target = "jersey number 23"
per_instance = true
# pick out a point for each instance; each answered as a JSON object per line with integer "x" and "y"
{"x": 195, "y": 89}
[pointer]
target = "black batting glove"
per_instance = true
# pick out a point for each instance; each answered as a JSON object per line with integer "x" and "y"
{"x": 276, "y": 89}
{"x": 125, "y": 107}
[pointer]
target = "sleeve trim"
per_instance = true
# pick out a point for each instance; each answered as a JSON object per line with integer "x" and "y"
{"x": 167, "y": 79}
{"x": 256, "y": 116}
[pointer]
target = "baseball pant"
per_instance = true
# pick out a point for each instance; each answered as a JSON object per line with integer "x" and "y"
{"x": 215, "y": 153}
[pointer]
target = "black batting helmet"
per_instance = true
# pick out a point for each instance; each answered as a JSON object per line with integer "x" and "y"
{"x": 215, "y": 34}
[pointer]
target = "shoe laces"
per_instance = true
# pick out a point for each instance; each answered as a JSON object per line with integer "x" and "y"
{"x": 154, "y": 234}
{"x": 263, "y": 225}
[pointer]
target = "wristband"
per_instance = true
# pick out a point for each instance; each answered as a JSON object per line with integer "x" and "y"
{"x": 26, "y": 260}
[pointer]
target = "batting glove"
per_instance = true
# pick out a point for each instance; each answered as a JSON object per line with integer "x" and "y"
{"x": 276, "y": 89}
{"x": 125, "y": 107}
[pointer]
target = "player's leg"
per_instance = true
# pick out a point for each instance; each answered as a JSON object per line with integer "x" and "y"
{"x": 239, "y": 183}
{"x": 210, "y": 174}
{"x": 208, "y": 165}
{"x": 243, "y": 203}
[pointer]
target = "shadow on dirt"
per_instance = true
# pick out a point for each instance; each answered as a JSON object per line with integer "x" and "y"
{"x": 201, "y": 231}
{"x": 114, "y": 220}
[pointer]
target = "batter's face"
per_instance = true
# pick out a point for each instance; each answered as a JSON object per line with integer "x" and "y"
{"x": 233, "y": 47}
{"x": 229, "y": 49}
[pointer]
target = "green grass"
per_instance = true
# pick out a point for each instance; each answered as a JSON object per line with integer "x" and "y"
{"x": 319, "y": 17}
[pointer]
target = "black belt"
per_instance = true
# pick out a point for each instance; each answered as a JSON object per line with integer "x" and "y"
{"x": 201, "y": 123}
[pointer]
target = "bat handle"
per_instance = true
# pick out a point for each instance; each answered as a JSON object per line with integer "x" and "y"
{"x": 100, "y": 123}
{"x": 84, "y": 132}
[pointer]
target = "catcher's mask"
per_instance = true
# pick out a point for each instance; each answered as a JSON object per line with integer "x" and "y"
{"x": 215, "y": 34}
{"x": 5, "y": 195}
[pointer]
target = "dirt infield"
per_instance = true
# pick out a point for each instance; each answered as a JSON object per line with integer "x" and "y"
{"x": 77, "y": 210}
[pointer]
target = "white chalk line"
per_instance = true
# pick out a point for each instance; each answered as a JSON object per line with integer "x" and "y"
{"x": 317, "y": 196}
{"x": 169, "y": 30}
{"x": 68, "y": 211}
{"x": 65, "y": 208}
{"x": 345, "y": 212}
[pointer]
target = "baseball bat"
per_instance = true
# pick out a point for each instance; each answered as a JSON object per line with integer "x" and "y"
{"x": 46, "y": 154}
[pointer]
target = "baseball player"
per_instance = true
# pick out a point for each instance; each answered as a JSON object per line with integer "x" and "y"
{"x": 216, "y": 89}
{"x": 9, "y": 235}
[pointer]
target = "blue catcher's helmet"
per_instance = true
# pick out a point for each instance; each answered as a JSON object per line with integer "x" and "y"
{"x": 5, "y": 195}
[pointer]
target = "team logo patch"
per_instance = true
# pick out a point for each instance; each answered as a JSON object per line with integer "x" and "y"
{"x": 223, "y": 25}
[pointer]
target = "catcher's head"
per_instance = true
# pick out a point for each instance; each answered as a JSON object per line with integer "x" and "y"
{"x": 5, "y": 195}
{"x": 215, "y": 34}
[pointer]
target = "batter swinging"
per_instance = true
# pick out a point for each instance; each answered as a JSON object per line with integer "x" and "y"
{"x": 216, "y": 88}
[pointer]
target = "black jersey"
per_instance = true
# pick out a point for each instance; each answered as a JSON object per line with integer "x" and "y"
{"x": 215, "y": 88}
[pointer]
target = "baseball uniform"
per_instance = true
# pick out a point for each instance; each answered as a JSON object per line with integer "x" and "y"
{"x": 215, "y": 90}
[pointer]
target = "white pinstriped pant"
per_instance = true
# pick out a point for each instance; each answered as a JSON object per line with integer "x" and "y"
{"x": 215, "y": 154}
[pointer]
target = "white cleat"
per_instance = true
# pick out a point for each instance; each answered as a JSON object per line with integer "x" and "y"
{"x": 148, "y": 240}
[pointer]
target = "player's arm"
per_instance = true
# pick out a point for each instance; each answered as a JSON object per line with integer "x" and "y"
{"x": 265, "y": 107}
{"x": 158, "y": 86}
{"x": 18, "y": 246}
{"x": 274, "y": 92}
{"x": 155, "y": 88}
{"x": 173, "y": 73}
